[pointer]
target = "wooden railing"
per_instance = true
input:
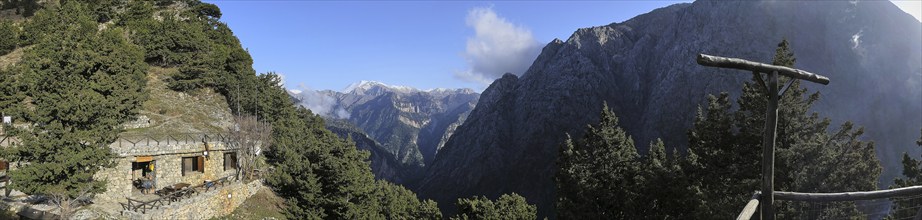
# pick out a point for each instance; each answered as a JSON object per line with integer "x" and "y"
{"x": 6, "y": 141}
{"x": 175, "y": 196}
{"x": 135, "y": 140}
{"x": 144, "y": 140}
{"x": 833, "y": 197}
{"x": 751, "y": 207}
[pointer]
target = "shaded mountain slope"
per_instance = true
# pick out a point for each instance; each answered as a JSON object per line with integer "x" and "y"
{"x": 645, "y": 69}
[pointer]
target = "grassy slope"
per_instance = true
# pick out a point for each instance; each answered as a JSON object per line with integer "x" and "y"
{"x": 262, "y": 205}
{"x": 178, "y": 112}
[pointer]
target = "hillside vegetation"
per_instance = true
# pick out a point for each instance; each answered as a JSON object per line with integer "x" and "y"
{"x": 168, "y": 111}
{"x": 79, "y": 72}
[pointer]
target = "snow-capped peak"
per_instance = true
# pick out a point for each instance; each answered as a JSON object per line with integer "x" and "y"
{"x": 364, "y": 85}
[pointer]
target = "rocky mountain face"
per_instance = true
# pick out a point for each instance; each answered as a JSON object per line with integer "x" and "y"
{"x": 405, "y": 127}
{"x": 645, "y": 69}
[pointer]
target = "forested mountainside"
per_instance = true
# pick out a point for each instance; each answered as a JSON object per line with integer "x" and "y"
{"x": 645, "y": 69}
{"x": 74, "y": 72}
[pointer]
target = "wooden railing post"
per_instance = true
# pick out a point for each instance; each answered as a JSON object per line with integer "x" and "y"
{"x": 750, "y": 207}
{"x": 768, "y": 148}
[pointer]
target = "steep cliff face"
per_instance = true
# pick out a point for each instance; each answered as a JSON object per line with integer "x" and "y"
{"x": 406, "y": 126}
{"x": 645, "y": 69}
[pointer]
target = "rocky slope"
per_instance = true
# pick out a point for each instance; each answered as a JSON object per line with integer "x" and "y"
{"x": 407, "y": 125}
{"x": 645, "y": 69}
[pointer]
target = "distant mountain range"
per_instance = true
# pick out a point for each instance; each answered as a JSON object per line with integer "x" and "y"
{"x": 402, "y": 127}
{"x": 645, "y": 69}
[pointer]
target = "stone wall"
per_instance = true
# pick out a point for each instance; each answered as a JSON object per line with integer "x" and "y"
{"x": 205, "y": 205}
{"x": 118, "y": 182}
{"x": 169, "y": 169}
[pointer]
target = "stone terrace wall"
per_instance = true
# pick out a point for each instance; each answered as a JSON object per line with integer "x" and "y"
{"x": 205, "y": 205}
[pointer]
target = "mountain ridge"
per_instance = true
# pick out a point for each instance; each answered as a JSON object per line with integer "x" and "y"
{"x": 405, "y": 126}
{"x": 644, "y": 69}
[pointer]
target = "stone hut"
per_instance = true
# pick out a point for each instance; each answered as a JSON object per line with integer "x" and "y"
{"x": 190, "y": 158}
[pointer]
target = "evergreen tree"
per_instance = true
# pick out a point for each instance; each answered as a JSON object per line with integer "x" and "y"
{"x": 912, "y": 176}
{"x": 397, "y": 202}
{"x": 667, "y": 191}
{"x": 12, "y": 94}
{"x": 597, "y": 173}
{"x": 9, "y": 37}
{"x": 508, "y": 206}
{"x": 171, "y": 42}
{"x": 602, "y": 176}
{"x": 90, "y": 83}
{"x": 807, "y": 158}
{"x": 321, "y": 175}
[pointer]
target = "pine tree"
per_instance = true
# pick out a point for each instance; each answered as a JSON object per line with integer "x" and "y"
{"x": 596, "y": 174}
{"x": 9, "y": 37}
{"x": 508, "y": 206}
{"x": 807, "y": 158}
{"x": 397, "y": 202}
{"x": 90, "y": 83}
{"x": 321, "y": 175}
{"x": 912, "y": 176}
{"x": 668, "y": 192}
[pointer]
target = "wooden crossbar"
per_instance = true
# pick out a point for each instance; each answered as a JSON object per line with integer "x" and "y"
{"x": 737, "y": 63}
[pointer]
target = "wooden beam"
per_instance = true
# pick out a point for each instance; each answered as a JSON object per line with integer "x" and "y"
{"x": 750, "y": 207}
{"x": 849, "y": 196}
{"x": 785, "y": 89}
{"x": 737, "y": 63}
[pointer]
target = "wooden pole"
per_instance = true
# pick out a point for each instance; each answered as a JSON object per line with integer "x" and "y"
{"x": 768, "y": 148}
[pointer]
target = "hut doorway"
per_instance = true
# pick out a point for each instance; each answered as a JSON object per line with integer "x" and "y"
{"x": 143, "y": 174}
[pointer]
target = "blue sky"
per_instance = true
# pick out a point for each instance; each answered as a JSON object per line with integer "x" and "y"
{"x": 319, "y": 45}
{"x": 330, "y": 45}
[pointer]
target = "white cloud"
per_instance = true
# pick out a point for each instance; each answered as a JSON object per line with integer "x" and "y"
{"x": 320, "y": 103}
{"x": 913, "y": 7}
{"x": 497, "y": 47}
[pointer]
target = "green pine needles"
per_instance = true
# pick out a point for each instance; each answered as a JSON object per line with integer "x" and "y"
{"x": 81, "y": 83}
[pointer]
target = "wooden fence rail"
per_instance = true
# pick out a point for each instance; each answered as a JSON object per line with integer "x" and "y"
{"x": 849, "y": 196}
{"x": 167, "y": 139}
{"x": 753, "y": 203}
{"x": 148, "y": 139}
{"x": 750, "y": 207}
{"x": 175, "y": 196}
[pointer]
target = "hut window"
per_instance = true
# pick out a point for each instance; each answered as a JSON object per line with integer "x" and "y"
{"x": 193, "y": 164}
{"x": 230, "y": 161}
